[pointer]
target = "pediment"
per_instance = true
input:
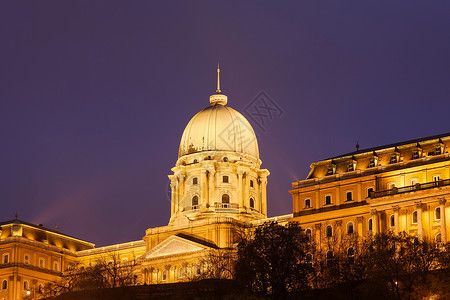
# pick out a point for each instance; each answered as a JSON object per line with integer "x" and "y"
{"x": 175, "y": 245}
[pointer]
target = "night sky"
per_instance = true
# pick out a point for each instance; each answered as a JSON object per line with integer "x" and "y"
{"x": 95, "y": 95}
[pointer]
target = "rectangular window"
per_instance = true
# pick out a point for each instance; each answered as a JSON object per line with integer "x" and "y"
{"x": 225, "y": 179}
{"x": 350, "y": 167}
{"x": 307, "y": 203}
{"x": 415, "y": 155}
{"x": 330, "y": 170}
{"x": 437, "y": 150}
{"x": 349, "y": 196}
{"x": 328, "y": 200}
{"x": 372, "y": 162}
{"x": 251, "y": 183}
{"x": 195, "y": 181}
{"x": 369, "y": 191}
{"x": 5, "y": 258}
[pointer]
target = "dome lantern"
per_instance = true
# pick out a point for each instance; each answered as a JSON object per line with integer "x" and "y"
{"x": 218, "y": 98}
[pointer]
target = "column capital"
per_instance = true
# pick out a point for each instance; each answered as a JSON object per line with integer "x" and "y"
{"x": 318, "y": 226}
{"x": 419, "y": 205}
{"x": 442, "y": 200}
{"x": 338, "y": 222}
{"x": 373, "y": 212}
{"x": 360, "y": 219}
{"x": 396, "y": 208}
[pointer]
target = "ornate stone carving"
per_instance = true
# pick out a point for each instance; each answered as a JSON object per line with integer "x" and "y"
{"x": 318, "y": 226}
{"x": 360, "y": 219}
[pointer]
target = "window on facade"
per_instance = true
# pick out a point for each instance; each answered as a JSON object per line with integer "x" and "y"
{"x": 415, "y": 155}
{"x": 349, "y": 227}
{"x": 4, "y": 284}
{"x": 329, "y": 231}
{"x": 199, "y": 270}
{"x": 225, "y": 159}
{"x": 392, "y": 221}
{"x": 437, "y": 213}
{"x": 164, "y": 275}
{"x": 414, "y": 181}
{"x": 5, "y": 258}
{"x": 251, "y": 183}
{"x": 308, "y": 233}
{"x": 349, "y": 196}
{"x": 393, "y": 159}
{"x": 195, "y": 161}
{"x": 195, "y": 200}
{"x": 370, "y": 225}
{"x": 437, "y": 237}
{"x": 369, "y": 191}
{"x": 225, "y": 179}
{"x": 180, "y": 272}
{"x": 350, "y": 167}
{"x": 41, "y": 263}
{"x": 26, "y": 259}
{"x": 329, "y": 257}
{"x": 330, "y": 170}
{"x": 252, "y": 203}
{"x": 195, "y": 181}
{"x": 414, "y": 217}
{"x": 437, "y": 150}
{"x": 307, "y": 203}
{"x": 225, "y": 198}
{"x": 41, "y": 289}
{"x": 372, "y": 162}
{"x": 436, "y": 177}
{"x": 391, "y": 186}
{"x": 351, "y": 255}
{"x": 26, "y": 285}
{"x": 56, "y": 266}
{"x": 328, "y": 200}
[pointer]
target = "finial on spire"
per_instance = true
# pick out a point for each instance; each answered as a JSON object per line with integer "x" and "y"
{"x": 218, "y": 79}
{"x": 17, "y": 215}
{"x": 357, "y": 146}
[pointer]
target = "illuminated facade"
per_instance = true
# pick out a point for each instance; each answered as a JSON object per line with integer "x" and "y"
{"x": 399, "y": 187}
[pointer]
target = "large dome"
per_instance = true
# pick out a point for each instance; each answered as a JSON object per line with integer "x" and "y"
{"x": 219, "y": 128}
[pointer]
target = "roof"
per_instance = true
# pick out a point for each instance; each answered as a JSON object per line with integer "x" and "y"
{"x": 16, "y": 221}
{"x": 392, "y": 145}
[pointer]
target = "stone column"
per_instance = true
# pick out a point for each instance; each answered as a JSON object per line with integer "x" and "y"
{"x": 204, "y": 187}
{"x": 443, "y": 221}
{"x": 396, "y": 219}
{"x": 317, "y": 234}
{"x": 360, "y": 221}
{"x": 172, "y": 197}
{"x": 212, "y": 187}
{"x": 264, "y": 196}
{"x": 239, "y": 189}
{"x": 419, "y": 220}
{"x": 374, "y": 214}
{"x": 246, "y": 196}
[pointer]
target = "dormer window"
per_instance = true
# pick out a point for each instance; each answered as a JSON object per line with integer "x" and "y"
{"x": 393, "y": 159}
{"x": 372, "y": 162}
{"x": 437, "y": 150}
{"x": 416, "y": 155}
{"x": 350, "y": 167}
{"x": 331, "y": 169}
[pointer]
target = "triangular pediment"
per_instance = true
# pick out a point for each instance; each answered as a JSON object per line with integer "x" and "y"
{"x": 175, "y": 245}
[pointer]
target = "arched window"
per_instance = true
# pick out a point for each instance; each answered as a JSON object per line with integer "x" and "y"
{"x": 349, "y": 196}
{"x": 370, "y": 225}
{"x": 26, "y": 286}
{"x": 40, "y": 289}
{"x": 307, "y": 203}
{"x": 164, "y": 275}
{"x": 414, "y": 217}
{"x": 195, "y": 200}
{"x": 6, "y": 258}
{"x": 349, "y": 227}
{"x": 252, "y": 203}
{"x": 437, "y": 237}
{"x": 329, "y": 231}
{"x": 308, "y": 233}
{"x": 195, "y": 180}
{"x": 225, "y": 198}
{"x": 351, "y": 255}
{"x": 328, "y": 200}
{"x": 180, "y": 272}
{"x": 329, "y": 257}
{"x": 392, "y": 221}
{"x": 4, "y": 284}
{"x": 437, "y": 213}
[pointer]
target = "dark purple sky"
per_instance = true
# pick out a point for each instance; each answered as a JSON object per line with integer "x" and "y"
{"x": 94, "y": 95}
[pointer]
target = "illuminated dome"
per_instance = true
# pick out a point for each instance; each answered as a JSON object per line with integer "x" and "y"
{"x": 219, "y": 128}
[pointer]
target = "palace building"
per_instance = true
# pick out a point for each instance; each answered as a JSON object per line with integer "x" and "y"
{"x": 398, "y": 187}
{"x": 218, "y": 189}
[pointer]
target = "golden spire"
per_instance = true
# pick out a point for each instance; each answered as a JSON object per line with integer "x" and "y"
{"x": 218, "y": 79}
